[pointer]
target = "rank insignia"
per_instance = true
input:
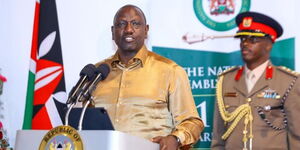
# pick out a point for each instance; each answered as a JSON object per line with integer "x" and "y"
{"x": 269, "y": 93}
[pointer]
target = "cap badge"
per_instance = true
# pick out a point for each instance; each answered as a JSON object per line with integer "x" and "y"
{"x": 247, "y": 21}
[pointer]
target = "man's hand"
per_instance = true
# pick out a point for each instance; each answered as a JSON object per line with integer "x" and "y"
{"x": 166, "y": 142}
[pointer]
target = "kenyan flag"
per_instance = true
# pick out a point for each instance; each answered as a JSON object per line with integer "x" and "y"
{"x": 46, "y": 94}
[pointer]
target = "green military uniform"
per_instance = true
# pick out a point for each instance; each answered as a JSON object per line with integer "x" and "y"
{"x": 265, "y": 98}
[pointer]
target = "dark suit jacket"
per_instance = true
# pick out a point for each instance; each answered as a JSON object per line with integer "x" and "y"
{"x": 265, "y": 137}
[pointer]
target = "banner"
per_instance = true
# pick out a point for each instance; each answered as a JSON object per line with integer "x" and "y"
{"x": 46, "y": 94}
{"x": 198, "y": 36}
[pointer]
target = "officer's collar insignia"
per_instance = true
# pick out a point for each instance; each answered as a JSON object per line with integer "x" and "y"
{"x": 239, "y": 73}
{"x": 269, "y": 93}
{"x": 269, "y": 72}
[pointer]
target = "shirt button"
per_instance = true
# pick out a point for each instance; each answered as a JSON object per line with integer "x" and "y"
{"x": 117, "y": 120}
{"x": 249, "y": 99}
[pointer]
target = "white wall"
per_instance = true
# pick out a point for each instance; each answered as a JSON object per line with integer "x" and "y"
{"x": 15, "y": 31}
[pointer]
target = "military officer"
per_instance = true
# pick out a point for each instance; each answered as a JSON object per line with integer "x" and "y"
{"x": 258, "y": 104}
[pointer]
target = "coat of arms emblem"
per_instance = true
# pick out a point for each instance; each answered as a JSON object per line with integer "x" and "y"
{"x": 218, "y": 7}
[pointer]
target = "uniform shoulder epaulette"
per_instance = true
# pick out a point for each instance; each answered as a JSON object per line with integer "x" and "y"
{"x": 288, "y": 71}
{"x": 230, "y": 69}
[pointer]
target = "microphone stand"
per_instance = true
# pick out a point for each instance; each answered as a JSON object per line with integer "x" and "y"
{"x": 87, "y": 94}
{"x": 68, "y": 113}
{"x": 83, "y": 113}
{"x": 72, "y": 106}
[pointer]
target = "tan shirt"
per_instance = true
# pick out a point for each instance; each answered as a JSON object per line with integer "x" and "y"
{"x": 253, "y": 75}
{"x": 149, "y": 97}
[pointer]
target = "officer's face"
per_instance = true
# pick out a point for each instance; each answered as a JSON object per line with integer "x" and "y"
{"x": 255, "y": 49}
{"x": 129, "y": 30}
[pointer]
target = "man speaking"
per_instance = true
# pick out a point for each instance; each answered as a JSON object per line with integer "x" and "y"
{"x": 145, "y": 94}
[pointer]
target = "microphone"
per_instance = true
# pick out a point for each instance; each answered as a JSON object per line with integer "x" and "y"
{"x": 86, "y": 74}
{"x": 101, "y": 73}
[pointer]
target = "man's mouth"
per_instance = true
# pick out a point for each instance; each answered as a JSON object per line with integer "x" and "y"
{"x": 245, "y": 51}
{"x": 129, "y": 39}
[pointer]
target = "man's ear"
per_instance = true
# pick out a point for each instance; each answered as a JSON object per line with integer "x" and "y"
{"x": 147, "y": 29}
{"x": 269, "y": 46}
{"x": 112, "y": 32}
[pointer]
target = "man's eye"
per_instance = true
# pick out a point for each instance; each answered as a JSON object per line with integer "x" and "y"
{"x": 136, "y": 24}
{"x": 121, "y": 24}
{"x": 243, "y": 39}
{"x": 251, "y": 39}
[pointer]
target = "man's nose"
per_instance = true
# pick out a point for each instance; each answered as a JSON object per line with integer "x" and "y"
{"x": 129, "y": 28}
{"x": 244, "y": 44}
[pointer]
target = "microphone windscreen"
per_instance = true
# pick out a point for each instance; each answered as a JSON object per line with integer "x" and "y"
{"x": 104, "y": 70}
{"x": 89, "y": 71}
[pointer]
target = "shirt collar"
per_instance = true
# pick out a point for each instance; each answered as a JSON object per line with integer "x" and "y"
{"x": 140, "y": 56}
{"x": 258, "y": 70}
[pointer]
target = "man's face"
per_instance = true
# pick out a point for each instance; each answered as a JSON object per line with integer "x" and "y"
{"x": 255, "y": 49}
{"x": 129, "y": 30}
